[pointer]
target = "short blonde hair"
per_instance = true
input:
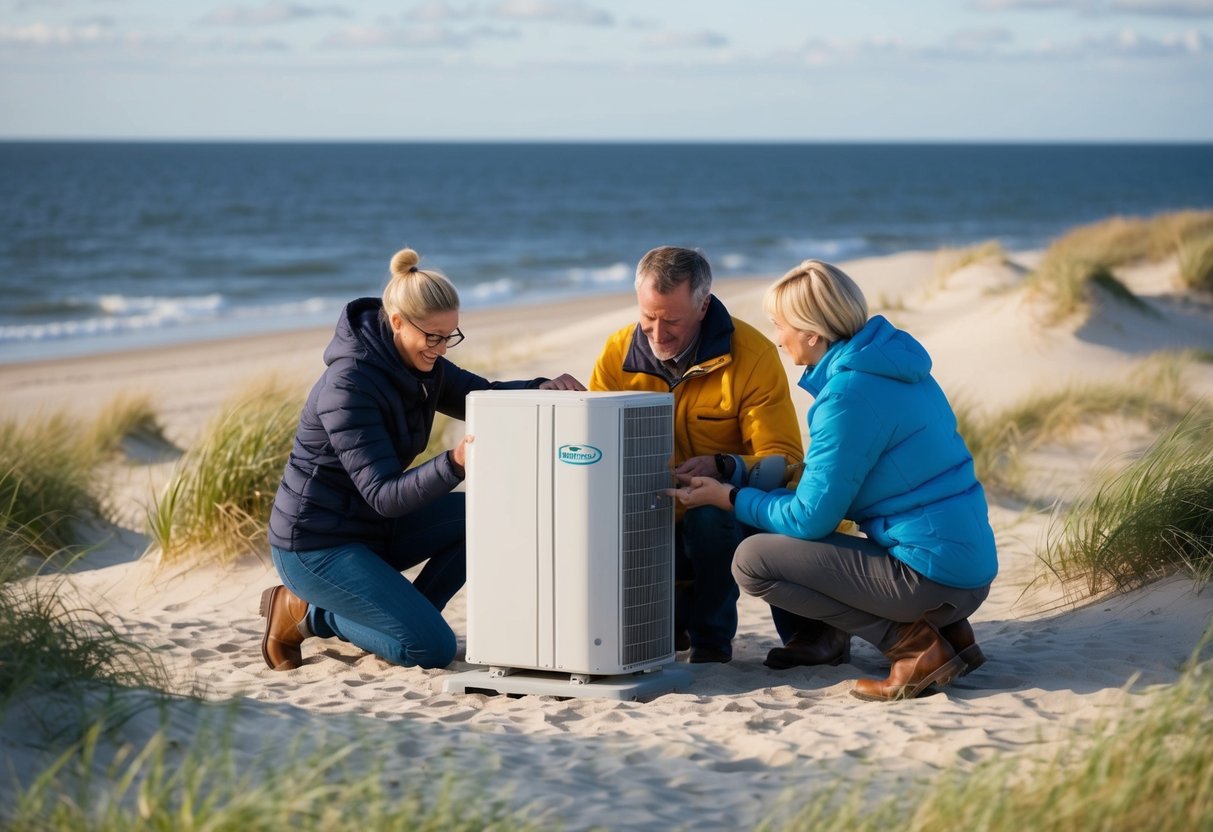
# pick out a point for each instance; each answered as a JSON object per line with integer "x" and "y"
{"x": 416, "y": 293}
{"x": 818, "y": 297}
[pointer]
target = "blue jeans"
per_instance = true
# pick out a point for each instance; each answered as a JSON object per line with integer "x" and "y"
{"x": 359, "y": 596}
{"x": 705, "y": 593}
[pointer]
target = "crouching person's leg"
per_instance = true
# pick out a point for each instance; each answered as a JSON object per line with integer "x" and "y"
{"x": 709, "y": 537}
{"x": 360, "y": 598}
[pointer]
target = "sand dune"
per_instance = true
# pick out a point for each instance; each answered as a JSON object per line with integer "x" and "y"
{"x": 744, "y": 740}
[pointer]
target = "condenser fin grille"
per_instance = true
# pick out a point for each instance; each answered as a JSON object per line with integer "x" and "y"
{"x": 648, "y": 577}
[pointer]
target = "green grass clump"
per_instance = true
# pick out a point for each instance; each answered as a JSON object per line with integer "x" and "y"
{"x": 1151, "y": 519}
{"x": 218, "y": 499}
{"x": 1154, "y": 394}
{"x": 951, "y": 260}
{"x": 1148, "y": 770}
{"x": 1196, "y": 262}
{"x": 125, "y": 417}
{"x": 46, "y": 475}
{"x": 205, "y": 784}
{"x": 1084, "y": 258}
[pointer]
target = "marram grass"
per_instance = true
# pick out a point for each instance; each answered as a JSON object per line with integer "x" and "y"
{"x": 1154, "y": 393}
{"x": 217, "y": 502}
{"x": 46, "y": 475}
{"x": 1151, "y": 519}
{"x": 948, "y": 261}
{"x": 1196, "y": 263}
{"x": 1080, "y": 263}
{"x": 205, "y": 783}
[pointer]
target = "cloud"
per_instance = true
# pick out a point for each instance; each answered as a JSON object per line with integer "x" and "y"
{"x": 997, "y": 44}
{"x": 686, "y": 40}
{"x": 270, "y": 14}
{"x": 1165, "y": 8}
{"x": 1155, "y": 8}
{"x": 1130, "y": 44}
{"x": 550, "y": 10}
{"x": 1025, "y": 5}
{"x": 47, "y": 34}
{"x": 440, "y": 10}
{"x": 425, "y": 36}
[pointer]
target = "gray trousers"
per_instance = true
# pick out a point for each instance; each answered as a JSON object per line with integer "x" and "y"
{"x": 848, "y": 582}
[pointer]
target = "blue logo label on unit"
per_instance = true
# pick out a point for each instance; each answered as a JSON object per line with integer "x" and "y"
{"x": 578, "y": 454}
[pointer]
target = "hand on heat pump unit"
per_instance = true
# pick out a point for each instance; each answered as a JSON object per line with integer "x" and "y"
{"x": 701, "y": 491}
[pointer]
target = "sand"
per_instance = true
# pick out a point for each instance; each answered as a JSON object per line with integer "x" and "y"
{"x": 744, "y": 741}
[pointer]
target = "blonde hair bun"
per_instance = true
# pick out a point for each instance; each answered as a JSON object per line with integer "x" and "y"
{"x": 404, "y": 262}
{"x": 416, "y": 293}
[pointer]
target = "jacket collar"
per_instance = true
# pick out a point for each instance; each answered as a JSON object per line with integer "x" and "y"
{"x": 715, "y": 347}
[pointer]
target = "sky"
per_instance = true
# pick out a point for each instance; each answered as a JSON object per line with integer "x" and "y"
{"x": 667, "y": 70}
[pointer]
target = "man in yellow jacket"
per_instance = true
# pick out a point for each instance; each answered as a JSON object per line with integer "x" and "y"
{"x": 731, "y": 400}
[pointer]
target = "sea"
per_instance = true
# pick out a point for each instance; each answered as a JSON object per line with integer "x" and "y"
{"x": 108, "y": 246}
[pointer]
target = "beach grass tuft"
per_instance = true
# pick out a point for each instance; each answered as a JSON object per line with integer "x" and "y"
{"x": 1084, "y": 258}
{"x": 1196, "y": 262}
{"x": 217, "y": 501}
{"x": 125, "y": 417}
{"x": 1146, "y": 769}
{"x": 1153, "y": 393}
{"x": 948, "y": 261}
{"x": 1151, "y": 519}
{"x": 46, "y": 476}
{"x": 205, "y": 783}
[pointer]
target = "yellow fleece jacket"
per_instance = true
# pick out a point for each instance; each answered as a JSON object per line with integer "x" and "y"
{"x": 734, "y": 398}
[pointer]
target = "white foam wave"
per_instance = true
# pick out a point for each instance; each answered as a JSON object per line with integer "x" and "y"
{"x": 831, "y": 249}
{"x": 496, "y": 290}
{"x": 124, "y": 315}
{"x": 604, "y": 276}
{"x": 733, "y": 262}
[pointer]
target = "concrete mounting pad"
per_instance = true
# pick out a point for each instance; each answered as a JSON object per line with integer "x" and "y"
{"x": 631, "y": 686}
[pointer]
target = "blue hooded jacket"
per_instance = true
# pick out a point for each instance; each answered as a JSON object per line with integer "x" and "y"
{"x": 364, "y": 422}
{"x": 885, "y": 453}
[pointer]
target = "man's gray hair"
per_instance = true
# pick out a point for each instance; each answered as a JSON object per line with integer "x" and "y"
{"x": 670, "y": 266}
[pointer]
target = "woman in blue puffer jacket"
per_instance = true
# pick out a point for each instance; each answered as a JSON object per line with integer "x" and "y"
{"x": 885, "y": 453}
{"x": 348, "y": 517}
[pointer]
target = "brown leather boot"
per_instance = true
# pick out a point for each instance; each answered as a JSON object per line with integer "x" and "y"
{"x": 921, "y": 658}
{"x": 824, "y": 645}
{"x": 285, "y": 628}
{"x": 959, "y": 634}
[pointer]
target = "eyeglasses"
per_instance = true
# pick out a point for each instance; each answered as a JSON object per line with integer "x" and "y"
{"x": 433, "y": 339}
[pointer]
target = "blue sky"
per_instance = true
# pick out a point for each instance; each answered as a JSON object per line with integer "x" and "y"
{"x": 661, "y": 69}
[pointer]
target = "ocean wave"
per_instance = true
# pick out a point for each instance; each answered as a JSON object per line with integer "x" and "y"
{"x": 827, "y": 249}
{"x": 603, "y": 276}
{"x": 495, "y": 290}
{"x": 125, "y": 315}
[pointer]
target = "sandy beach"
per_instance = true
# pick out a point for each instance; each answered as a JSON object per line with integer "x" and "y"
{"x": 744, "y": 742}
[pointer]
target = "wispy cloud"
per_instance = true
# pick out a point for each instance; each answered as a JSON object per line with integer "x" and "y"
{"x": 441, "y": 10}
{"x": 1165, "y": 8}
{"x": 270, "y": 14}
{"x": 48, "y": 34}
{"x": 996, "y": 44}
{"x": 1153, "y": 8}
{"x": 686, "y": 40}
{"x": 424, "y": 36}
{"x": 550, "y": 10}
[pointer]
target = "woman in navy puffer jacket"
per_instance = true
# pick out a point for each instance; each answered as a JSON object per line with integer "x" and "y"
{"x": 883, "y": 452}
{"x": 348, "y": 518}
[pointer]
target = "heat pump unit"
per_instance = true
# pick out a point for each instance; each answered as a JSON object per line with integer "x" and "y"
{"x": 569, "y": 541}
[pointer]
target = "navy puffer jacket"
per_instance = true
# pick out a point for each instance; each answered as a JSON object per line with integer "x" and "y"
{"x": 364, "y": 422}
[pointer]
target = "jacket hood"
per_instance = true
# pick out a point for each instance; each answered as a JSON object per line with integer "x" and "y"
{"x": 879, "y": 349}
{"x": 363, "y": 336}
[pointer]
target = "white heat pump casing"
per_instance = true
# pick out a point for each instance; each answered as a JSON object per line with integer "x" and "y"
{"x": 569, "y": 540}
